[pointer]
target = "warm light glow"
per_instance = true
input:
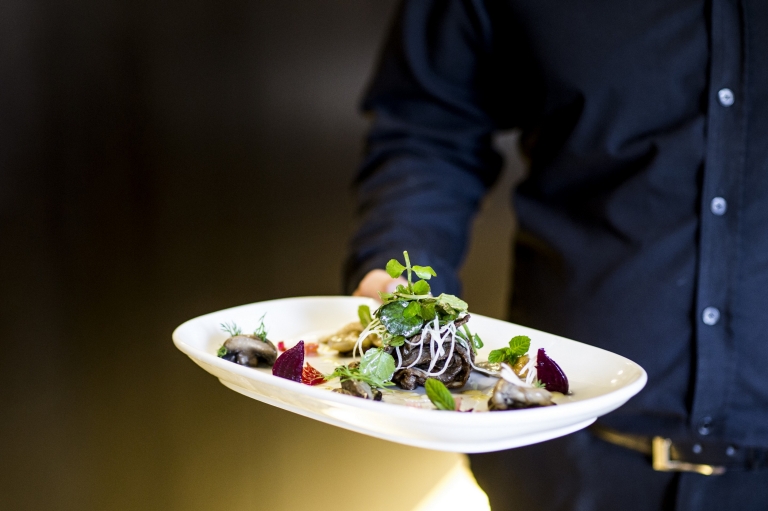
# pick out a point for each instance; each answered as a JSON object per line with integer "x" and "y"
{"x": 457, "y": 491}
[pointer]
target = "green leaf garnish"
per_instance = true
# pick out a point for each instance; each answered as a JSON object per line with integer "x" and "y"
{"x": 392, "y": 316}
{"x": 413, "y": 309}
{"x": 496, "y": 356}
{"x": 394, "y": 268}
{"x": 378, "y": 365}
{"x": 439, "y": 394}
{"x": 424, "y": 272}
{"x": 396, "y": 341}
{"x": 221, "y": 352}
{"x": 364, "y": 313}
{"x": 345, "y": 373}
{"x": 455, "y": 303}
{"x": 518, "y": 346}
{"x": 421, "y": 288}
{"x": 231, "y": 328}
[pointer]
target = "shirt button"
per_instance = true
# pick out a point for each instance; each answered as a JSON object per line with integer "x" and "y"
{"x": 705, "y": 426}
{"x": 725, "y": 96}
{"x": 718, "y": 206}
{"x": 710, "y": 316}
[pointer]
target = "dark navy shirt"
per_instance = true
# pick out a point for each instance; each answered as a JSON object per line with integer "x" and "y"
{"x": 643, "y": 223}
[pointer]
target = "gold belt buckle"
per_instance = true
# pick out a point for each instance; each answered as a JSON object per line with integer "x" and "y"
{"x": 660, "y": 454}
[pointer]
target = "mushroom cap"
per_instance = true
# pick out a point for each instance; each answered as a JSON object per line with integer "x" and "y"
{"x": 251, "y": 350}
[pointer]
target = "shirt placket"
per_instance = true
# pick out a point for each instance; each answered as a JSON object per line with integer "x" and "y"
{"x": 719, "y": 226}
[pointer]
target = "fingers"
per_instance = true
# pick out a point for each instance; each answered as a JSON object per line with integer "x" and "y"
{"x": 376, "y": 281}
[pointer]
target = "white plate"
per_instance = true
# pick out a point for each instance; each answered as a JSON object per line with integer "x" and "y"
{"x": 600, "y": 381}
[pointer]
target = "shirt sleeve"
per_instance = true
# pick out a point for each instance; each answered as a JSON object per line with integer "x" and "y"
{"x": 429, "y": 156}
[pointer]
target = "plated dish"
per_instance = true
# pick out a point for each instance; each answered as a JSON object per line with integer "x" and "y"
{"x": 599, "y": 381}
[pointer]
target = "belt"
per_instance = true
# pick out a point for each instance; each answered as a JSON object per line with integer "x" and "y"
{"x": 707, "y": 458}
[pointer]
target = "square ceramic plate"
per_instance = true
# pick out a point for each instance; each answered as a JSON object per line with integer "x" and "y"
{"x": 600, "y": 381}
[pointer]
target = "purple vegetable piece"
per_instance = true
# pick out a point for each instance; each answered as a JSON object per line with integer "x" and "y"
{"x": 550, "y": 374}
{"x": 290, "y": 363}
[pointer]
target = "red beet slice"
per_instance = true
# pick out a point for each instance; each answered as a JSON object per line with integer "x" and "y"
{"x": 550, "y": 374}
{"x": 311, "y": 376}
{"x": 289, "y": 364}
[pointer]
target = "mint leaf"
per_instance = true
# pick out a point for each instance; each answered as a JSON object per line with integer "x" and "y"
{"x": 439, "y": 395}
{"x": 394, "y": 268}
{"x": 412, "y": 310}
{"x": 421, "y": 288}
{"x": 499, "y": 355}
{"x": 364, "y": 313}
{"x": 386, "y": 297}
{"x": 519, "y": 345}
{"x": 477, "y": 342}
{"x": 424, "y": 272}
{"x": 397, "y": 340}
{"x": 378, "y": 365}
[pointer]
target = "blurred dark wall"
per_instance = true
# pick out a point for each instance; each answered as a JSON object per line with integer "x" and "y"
{"x": 161, "y": 160}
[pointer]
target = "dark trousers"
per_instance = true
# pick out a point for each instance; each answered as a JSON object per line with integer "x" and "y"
{"x": 582, "y": 473}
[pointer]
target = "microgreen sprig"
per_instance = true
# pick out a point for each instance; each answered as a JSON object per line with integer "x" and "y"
{"x": 231, "y": 328}
{"x": 261, "y": 330}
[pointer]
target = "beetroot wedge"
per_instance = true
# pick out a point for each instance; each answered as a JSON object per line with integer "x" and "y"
{"x": 549, "y": 373}
{"x": 290, "y": 363}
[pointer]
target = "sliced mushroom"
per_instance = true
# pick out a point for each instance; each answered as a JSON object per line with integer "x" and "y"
{"x": 344, "y": 340}
{"x": 250, "y": 350}
{"x": 508, "y": 396}
{"x": 359, "y": 389}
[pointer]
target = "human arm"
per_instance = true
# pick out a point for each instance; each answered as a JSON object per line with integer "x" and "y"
{"x": 429, "y": 157}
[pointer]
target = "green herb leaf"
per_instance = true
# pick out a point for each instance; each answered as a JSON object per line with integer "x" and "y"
{"x": 428, "y": 311}
{"x": 344, "y": 373}
{"x": 519, "y": 345}
{"x": 439, "y": 394}
{"x": 391, "y": 316}
{"x": 477, "y": 342}
{"x": 453, "y": 302}
{"x": 394, "y": 268}
{"x": 386, "y": 297}
{"x": 364, "y": 313}
{"x": 424, "y": 272}
{"x": 413, "y": 309}
{"x": 497, "y": 356}
{"x": 221, "y": 352}
{"x": 377, "y": 364}
{"x": 421, "y": 288}
{"x": 539, "y": 385}
{"x": 397, "y": 340}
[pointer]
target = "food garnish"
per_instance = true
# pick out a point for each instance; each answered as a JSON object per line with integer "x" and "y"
{"x": 550, "y": 374}
{"x": 289, "y": 364}
{"x": 518, "y": 347}
{"x": 248, "y": 350}
{"x": 311, "y": 376}
{"x": 422, "y": 332}
{"x": 439, "y": 394}
{"x": 412, "y": 339}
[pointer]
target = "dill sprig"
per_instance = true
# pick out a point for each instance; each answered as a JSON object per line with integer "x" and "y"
{"x": 231, "y": 328}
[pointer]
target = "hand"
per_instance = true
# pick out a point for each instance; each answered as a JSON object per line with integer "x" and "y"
{"x": 375, "y": 281}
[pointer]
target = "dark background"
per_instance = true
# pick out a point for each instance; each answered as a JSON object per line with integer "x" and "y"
{"x": 158, "y": 161}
